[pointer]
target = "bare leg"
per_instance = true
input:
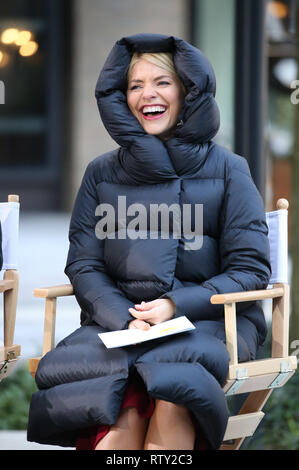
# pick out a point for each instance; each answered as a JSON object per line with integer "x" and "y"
{"x": 127, "y": 433}
{"x": 170, "y": 428}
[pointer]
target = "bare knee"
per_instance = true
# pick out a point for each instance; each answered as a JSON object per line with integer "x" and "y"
{"x": 170, "y": 427}
{"x": 128, "y": 418}
{"x": 167, "y": 405}
{"x": 171, "y": 409}
{"x": 127, "y": 433}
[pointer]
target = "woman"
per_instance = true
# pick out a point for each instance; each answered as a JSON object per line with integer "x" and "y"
{"x": 159, "y": 394}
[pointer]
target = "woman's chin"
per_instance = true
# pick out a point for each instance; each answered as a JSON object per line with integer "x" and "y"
{"x": 162, "y": 134}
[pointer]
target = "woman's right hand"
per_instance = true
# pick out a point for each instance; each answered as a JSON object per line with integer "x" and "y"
{"x": 139, "y": 324}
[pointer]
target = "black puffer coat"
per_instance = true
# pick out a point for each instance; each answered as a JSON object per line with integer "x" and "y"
{"x": 81, "y": 383}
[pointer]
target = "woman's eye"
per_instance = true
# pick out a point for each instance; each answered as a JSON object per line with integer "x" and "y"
{"x": 136, "y": 87}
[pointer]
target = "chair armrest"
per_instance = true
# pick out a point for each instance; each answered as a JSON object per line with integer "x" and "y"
{"x": 6, "y": 285}
{"x": 10, "y": 352}
{"x": 280, "y": 317}
{"x": 246, "y": 296}
{"x": 50, "y": 295}
{"x": 33, "y": 365}
{"x": 54, "y": 291}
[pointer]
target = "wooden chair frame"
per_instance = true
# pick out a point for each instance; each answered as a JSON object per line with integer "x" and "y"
{"x": 258, "y": 377}
{"x": 9, "y": 286}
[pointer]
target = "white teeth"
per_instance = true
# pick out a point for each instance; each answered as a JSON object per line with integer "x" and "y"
{"x": 153, "y": 109}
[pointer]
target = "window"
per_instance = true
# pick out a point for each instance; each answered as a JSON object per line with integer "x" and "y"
{"x": 214, "y": 35}
{"x": 281, "y": 29}
{"x": 33, "y": 70}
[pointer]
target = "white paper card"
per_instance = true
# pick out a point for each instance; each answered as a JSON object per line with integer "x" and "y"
{"x": 278, "y": 238}
{"x": 9, "y": 217}
{"x": 115, "y": 339}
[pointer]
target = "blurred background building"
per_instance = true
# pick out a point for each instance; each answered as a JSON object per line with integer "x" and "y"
{"x": 51, "y": 53}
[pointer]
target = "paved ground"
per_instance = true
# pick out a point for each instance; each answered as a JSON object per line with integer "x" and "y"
{"x": 16, "y": 440}
{"x": 42, "y": 257}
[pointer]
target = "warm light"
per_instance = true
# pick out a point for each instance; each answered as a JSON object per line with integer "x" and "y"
{"x": 9, "y": 35}
{"x": 4, "y": 59}
{"x": 278, "y": 9}
{"x": 23, "y": 37}
{"x": 28, "y": 49}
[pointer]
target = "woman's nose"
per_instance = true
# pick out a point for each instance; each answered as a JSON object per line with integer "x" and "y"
{"x": 149, "y": 92}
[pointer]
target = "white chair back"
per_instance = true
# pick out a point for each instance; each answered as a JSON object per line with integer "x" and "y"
{"x": 277, "y": 222}
{"x": 9, "y": 218}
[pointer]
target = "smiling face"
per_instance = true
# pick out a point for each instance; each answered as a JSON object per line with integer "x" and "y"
{"x": 155, "y": 97}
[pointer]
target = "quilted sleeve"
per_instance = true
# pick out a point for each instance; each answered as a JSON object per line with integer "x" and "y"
{"x": 243, "y": 247}
{"x": 98, "y": 296}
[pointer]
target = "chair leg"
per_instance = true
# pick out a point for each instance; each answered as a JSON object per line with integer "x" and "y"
{"x": 49, "y": 325}
{"x": 10, "y": 307}
{"x": 254, "y": 402}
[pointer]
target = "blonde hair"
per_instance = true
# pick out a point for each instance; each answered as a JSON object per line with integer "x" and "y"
{"x": 161, "y": 59}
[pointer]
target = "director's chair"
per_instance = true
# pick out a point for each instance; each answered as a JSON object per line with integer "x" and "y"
{"x": 9, "y": 218}
{"x": 259, "y": 377}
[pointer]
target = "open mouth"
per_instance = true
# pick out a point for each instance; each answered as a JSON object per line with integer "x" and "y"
{"x": 153, "y": 112}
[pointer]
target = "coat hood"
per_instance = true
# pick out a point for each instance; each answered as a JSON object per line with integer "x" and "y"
{"x": 198, "y": 122}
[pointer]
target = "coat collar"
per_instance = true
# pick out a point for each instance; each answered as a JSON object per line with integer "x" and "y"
{"x": 145, "y": 157}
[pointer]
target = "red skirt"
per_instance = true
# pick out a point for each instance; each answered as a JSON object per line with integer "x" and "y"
{"x": 137, "y": 397}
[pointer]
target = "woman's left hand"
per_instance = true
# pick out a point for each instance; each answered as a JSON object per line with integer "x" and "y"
{"x": 154, "y": 312}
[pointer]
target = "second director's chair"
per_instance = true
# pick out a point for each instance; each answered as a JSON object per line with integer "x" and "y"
{"x": 259, "y": 377}
{"x": 9, "y": 218}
